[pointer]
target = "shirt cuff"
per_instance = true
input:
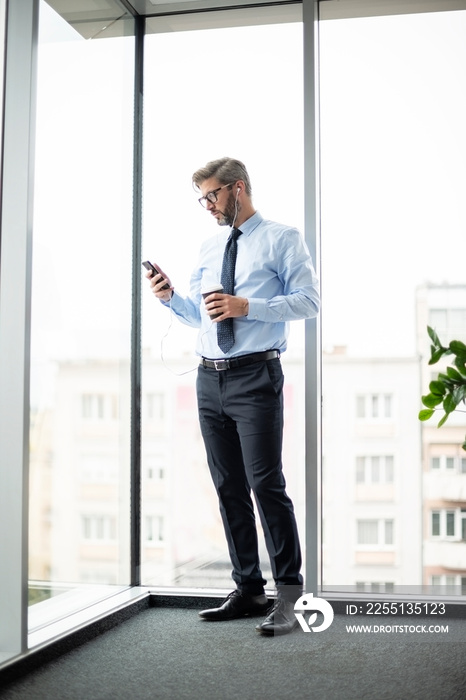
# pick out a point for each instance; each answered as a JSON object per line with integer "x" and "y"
{"x": 257, "y": 309}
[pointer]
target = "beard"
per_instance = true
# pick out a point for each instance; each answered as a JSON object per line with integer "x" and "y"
{"x": 229, "y": 213}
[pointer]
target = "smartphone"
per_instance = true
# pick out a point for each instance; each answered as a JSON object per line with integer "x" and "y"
{"x": 148, "y": 265}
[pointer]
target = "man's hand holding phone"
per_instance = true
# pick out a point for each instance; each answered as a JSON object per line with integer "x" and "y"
{"x": 159, "y": 282}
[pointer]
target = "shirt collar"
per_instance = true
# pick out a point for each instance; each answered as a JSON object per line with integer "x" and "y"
{"x": 248, "y": 226}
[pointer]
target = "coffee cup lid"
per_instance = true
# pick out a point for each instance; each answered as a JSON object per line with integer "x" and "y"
{"x": 212, "y": 288}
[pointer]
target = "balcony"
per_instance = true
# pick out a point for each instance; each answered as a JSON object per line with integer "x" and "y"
{"x": 445, "y": 487}
{"x": 447, "y": 554}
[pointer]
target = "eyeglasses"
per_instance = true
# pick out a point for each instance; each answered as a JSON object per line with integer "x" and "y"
{"x": 212, "y": 196}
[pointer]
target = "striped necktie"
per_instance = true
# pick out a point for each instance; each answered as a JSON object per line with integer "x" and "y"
{"x": 225, "y": 334}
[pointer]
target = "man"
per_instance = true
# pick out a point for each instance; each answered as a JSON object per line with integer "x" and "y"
{"x": 243, "y": 331}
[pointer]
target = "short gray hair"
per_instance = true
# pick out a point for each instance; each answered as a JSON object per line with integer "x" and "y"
{"x": 226, "y": 170}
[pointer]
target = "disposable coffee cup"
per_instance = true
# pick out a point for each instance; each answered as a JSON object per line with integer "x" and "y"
{"x": 210, "y": 290}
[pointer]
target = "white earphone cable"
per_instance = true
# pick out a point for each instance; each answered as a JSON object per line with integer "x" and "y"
{"x": 167, "y": 332}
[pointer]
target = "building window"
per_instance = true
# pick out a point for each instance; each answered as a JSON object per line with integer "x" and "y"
{"x": 378, "y": 533}
{"x": 154, "y": 529}
{"x": 155, "y": 473}
{"x": 155, "y": 469}
{"x": 155, "y": 406}
{"x": 374, "y": 406}
{"x": 360, "y": 406}
{"x": 99, "y": 407}
{"x": 448, "y": 323}
{"x": 449, "y": 583}
{"x": 448, "y": 463}
{"x": 92, "y": 406}
{"x": 375, "y": 586}
{"x": 368, "y": 532}
{"x": 388, "y": 531}
{"x": 99, "y": 527}
{"x": 375, "y": 469}
{"x": 435, "y": 524}
{"x": 438, "y": 319}
{"x": 449, "y": 523}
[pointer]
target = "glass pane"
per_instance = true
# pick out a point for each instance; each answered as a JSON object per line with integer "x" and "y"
{"x": 389, "y": 532}
{"x": 450, "y": 526}
{"x": 368, "y": 532}
{"x": 436, "y": 524}
{"x": 195, "y": 113}
{"x": 360, "y": 470}
{"x": 375, "y": 469}
{"x": 81, "y": 305}
{"x": 393, "y": 148}
{"x": 389, "y": 473}
{"x": 360, "y": 406}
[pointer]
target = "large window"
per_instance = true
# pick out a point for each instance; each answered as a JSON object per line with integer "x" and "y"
{"x": 393, "y": 149}
{"x": 81, "y": 310}
{"x": 204, "y": 101}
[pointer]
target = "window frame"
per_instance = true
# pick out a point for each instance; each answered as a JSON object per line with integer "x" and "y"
{"x": 445, "y": 518}
{"x": 21, "y": 22}
{"x": 383, "y": 525}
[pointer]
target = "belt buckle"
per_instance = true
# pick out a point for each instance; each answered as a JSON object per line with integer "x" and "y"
{"x": 221, "y": 365}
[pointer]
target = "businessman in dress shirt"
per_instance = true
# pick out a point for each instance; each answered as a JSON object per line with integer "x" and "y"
{"x": 240, "y": 391}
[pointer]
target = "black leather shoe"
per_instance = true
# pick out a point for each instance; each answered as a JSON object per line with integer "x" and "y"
{"x": 237, "y": 604}
{"x": 280, "y": 620}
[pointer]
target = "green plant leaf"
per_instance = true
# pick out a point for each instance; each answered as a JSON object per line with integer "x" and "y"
{"x": 434, "y": 337}
{"x": 459, "y": 394}
{"x": 461, "y": 365}
{"x": 449, "y": 403}
{"x": 436, "y": 354}
{"x": 425, "y": 414}
{"x": 454, "y": 374}
{"x": 437, "y": 388}
{"x": 457, "y": 347}
{"x": 449, "y": 389}
{"x": 442, "y": 420}
{"x": 431, "y": 400}
{"x": 445, "y": 379}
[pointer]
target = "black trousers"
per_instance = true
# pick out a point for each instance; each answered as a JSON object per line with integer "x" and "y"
{"x": 241, "y": 418}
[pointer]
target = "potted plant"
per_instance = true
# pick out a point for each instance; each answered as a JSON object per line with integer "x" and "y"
{"x": 449, "y": 389}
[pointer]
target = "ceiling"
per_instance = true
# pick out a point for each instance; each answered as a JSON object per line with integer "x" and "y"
{"x": 109, "y": 18}
{"x": 106, "y": 18}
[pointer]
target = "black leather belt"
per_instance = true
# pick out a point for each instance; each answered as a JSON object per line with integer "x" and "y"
{"x": 232, "y": 362}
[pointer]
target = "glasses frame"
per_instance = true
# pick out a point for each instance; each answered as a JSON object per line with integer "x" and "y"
{"x": 212, "y": 196}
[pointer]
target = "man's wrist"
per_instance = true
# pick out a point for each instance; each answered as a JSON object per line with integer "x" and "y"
{"x": 168, "y": 299}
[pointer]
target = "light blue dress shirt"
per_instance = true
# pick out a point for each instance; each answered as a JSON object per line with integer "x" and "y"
{"x": 274, "y": 271}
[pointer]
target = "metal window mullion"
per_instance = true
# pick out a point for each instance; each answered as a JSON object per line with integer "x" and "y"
{"x": 312, "y": 332}
{"x": 15, "y": 314}
{"x": 135, "y": 506}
